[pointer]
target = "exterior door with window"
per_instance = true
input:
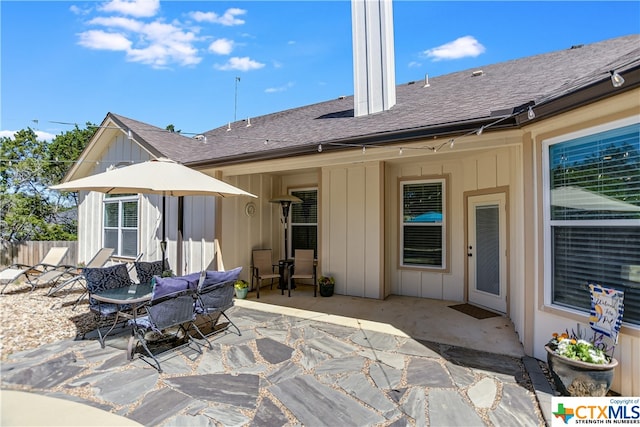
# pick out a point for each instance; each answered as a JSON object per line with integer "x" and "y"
{"x": 487, "y": 251}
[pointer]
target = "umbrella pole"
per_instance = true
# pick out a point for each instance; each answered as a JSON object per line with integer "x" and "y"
{"x": 163, "y": 243}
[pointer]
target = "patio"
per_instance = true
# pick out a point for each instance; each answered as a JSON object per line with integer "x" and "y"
{"x": 305, "y": 361}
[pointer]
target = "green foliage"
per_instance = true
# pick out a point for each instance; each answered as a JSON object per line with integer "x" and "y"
{"x": 241, "y": 284}
{"x": 28, "y": 209}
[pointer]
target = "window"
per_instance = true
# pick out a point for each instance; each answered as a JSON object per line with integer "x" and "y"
{"x": 304, "y": 220}
{"x": 423, "y": 228}
{"x": 121, "y": 224}
{"x": 592, "y": 216}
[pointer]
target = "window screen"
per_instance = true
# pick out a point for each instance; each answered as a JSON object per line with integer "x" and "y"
{"x": 594, "y": 212}
{"x": 423, "y": 228}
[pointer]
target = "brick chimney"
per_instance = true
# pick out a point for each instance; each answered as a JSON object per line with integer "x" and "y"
{"x": 373, "y": 56}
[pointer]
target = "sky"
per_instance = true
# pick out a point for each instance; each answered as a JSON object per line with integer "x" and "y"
{"x": 201, "y": 64}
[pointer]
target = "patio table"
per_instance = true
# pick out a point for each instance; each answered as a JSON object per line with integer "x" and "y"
{"x": 132, "y": 296}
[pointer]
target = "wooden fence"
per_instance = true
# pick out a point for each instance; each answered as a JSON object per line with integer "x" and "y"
{"x": 31, "y": 253}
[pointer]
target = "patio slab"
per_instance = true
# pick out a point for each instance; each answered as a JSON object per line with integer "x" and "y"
{"x": 290, "y": 367}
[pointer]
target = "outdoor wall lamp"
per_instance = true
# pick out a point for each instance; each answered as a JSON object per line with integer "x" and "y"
{"x": 286, "y": 201}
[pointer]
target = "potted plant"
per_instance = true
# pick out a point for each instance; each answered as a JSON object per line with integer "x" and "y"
{"x": 326, "y": 284}
{"x": 580, "y": 366}
{"x": 241, "y": 287}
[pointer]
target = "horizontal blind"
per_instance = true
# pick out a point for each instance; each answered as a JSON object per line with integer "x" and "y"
{"x": 597, "y": 176}
{"x": 423, "y": 228}
{"x": 598, "y": 255}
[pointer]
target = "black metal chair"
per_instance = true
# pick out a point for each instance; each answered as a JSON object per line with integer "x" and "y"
{"x": 169, "y": 317}
{"x": 214, "y": 295}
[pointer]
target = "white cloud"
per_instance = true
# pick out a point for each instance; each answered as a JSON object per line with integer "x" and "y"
{"x": 157, "y": 44}
{"x": 414, "y": 64}
{"x": 280, "y": 88}
{"x": 462, "y": 47}
{"x": 221, "y": 46}
{"x": 241, "y": 64}
{"x": 137, "y": 8}
{"x": 98, "y": 39}
{"x": 227, "y": 19}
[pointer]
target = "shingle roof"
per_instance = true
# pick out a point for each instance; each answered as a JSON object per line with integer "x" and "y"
{"x": 455, "y": 98}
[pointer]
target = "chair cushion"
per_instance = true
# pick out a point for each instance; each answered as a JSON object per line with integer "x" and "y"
{"x": 169, "y": 285}
{"x": 221, "y": 276}
{"x": 103, "y": 278}
{"x": 146, "y": 270}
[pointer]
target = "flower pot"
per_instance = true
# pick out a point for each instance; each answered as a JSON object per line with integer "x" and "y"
{"x": 326, "y": 289}
{"x": 241, "y": 293}
{"x": 577, "y": 378}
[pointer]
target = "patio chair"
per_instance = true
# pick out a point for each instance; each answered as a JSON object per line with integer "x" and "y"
{"x": 214, "y": 295}
{"x": 52, "y": 261}
{"x": 100, "y": 279}
{"x": 169, "y": 317}
{"x": 304, "y": 267}
{"x": 263, "y": 268}
{"x": 78, "y": 275}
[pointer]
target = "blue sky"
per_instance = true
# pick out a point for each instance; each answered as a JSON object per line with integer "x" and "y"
{"x": 200, "y": 64}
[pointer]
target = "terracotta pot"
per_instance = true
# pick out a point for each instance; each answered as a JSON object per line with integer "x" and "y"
{"x": 577, "y": 378}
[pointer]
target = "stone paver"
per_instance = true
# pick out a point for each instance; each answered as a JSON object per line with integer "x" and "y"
{"x": 284, "y": 370}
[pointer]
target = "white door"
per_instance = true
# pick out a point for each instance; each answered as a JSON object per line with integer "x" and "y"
{"x": 487, "y": 251}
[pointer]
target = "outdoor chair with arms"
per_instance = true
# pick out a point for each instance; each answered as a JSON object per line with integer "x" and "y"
{"x": 263, "y": 268}
{"x": 169, "y": 317}
{"x": 304, "y": 267}
{"x": 214, "y": 296}
{"x": 101, "y": 279}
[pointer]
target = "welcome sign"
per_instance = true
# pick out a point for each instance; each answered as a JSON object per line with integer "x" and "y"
{"x": 607, "y": 307}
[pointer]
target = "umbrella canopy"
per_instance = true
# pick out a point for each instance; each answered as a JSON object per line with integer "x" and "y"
{"x": 159, "y": 176}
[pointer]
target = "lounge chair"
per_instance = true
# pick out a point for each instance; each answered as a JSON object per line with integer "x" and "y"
{"x": 78, "y": 277}
{"x": 263, "y": 268}
{"x": 17, "y": 273}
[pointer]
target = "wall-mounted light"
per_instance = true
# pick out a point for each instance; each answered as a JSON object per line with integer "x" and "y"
{"x": 616, "y": 79}
{"x": 129, "y": 135}
{"x": 319, "y": 148}
{"x": 479, "y": 131}
{"x": 531, "y": 114}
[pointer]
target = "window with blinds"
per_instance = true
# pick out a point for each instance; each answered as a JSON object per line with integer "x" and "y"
{"x": 121, "y": 224}
{"x": 593, "y": 213}
{"x": 422, "y": 233}
{"x": 304, "y": 220}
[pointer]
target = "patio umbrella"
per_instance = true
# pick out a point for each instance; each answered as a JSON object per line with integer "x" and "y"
{"x": 159, "y": 176}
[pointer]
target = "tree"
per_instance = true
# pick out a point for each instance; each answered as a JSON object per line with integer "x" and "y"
{"x": 28, "y": 209}
{"x": 171, "y": 128}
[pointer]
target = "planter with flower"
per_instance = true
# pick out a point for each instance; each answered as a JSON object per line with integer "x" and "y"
{"x": 241, "y": 287}
{"x": 580, "y": 366}
{"x": 326, "y": 285}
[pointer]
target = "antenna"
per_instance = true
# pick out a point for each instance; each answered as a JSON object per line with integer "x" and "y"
{"x": 235, "y": 107}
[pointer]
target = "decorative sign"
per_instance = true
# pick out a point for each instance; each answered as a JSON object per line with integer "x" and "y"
{"x": 607, "y": 307}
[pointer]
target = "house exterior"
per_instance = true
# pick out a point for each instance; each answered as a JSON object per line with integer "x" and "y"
{"x": 512, "y": 186}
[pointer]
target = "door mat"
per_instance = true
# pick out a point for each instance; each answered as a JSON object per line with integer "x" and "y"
{"x": 474, "y": 311}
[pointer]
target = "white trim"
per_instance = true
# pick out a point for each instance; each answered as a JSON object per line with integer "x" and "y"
{"x": 546, "y": 196}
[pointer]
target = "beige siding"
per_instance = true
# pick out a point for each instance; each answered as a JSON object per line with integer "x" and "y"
{"x": 351, "y": 217}
{"x": 549, "y": 319}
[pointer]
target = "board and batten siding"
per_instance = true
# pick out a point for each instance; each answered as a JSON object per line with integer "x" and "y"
{"x": 351, "y": 224}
